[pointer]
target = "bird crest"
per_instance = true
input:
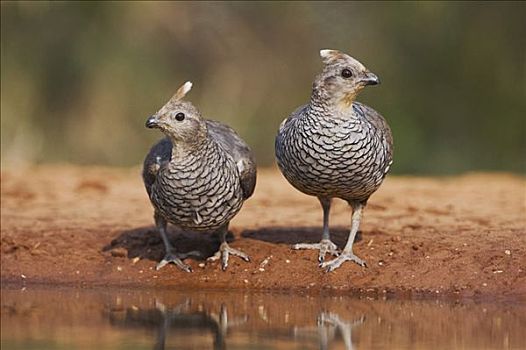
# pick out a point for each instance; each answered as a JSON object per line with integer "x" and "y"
{"x": 181, "y": 92}
{"x": 329, "y": 56}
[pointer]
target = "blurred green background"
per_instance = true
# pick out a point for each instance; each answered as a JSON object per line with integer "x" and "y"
{"x": 78, "y": 80}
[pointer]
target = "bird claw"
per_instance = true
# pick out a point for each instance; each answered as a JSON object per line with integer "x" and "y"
{"x": 325, "y": 246}
{"x": 177, "y": 259}
{"x": 223, "y": 253}
{"x": 337, "y": 262}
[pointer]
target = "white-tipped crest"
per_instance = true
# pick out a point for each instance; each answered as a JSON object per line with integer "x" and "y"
{"x": 328, "y": 55}
{"x": 182, "y": 91}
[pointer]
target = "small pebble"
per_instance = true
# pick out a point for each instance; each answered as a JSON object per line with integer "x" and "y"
{"x": 507, "y": 252}
{"x": 261, "y": 269}
{"x": 119, "y": 268}
{"x": 484, "y": 284}
{"x": 287, "y": 261}
{"x": 498, "y": 271}
{"x": 245, "y": 281}
{"x": 201, "y": 265}
{"x": 135, "y": 260}
{"x": 23, "y": 276}
{"x": 266, "y": 261}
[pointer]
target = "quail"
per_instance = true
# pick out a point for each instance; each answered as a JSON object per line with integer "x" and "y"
{"x": 197, "y": 177}
{"x": 335, "y": 147}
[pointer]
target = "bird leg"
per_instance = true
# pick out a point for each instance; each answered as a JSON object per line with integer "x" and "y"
{"x": 171, "y": 256}
{"x": 344, "y": 327}
{"x": 347, "y": 253}
{"x": 225, "y": 250}
{"x": 326, "y": 245}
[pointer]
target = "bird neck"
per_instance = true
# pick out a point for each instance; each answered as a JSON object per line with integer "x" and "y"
{"x": 188, "y": 143}
{"x": 325, "y": 103}
{"x": 186, "y": 149}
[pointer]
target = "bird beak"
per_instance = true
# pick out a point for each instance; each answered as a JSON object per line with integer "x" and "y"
{"x": 152, "y": 122}
{"x": 370, "y": 79}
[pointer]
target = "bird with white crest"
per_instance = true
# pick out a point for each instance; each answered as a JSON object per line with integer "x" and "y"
{"x": 336, "y": 147}
{"x": 197, "y": 177}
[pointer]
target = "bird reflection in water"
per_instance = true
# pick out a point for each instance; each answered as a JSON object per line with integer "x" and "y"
{"x": 188, "y": 321}
{"x": 180, "y": 319}
{"x": 330, "y": 324}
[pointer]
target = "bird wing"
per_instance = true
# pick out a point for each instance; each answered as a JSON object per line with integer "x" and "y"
{"x": 378, "y": 121}
{"x": 234, "y": 145}
{"x": 383, "y": 129}
{"x": 296, "y": 114}
{"x": 159, "y": 154}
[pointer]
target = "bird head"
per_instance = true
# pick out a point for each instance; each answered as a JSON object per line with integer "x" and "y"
{"x": 343, "y": 77}
{"x": 179, "y": 119}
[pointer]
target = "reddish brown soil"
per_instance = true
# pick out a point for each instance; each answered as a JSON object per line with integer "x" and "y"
{"x": 459, "y": 236}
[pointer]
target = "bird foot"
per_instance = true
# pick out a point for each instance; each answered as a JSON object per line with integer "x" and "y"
{"x": 224, "y": 251}
{"x": 177, "y": 259}
{"x": 337, "y": 262}
{"x": 325, "y": 246}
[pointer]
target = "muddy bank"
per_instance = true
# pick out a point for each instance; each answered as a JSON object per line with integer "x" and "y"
{"x": 461, "y": 236}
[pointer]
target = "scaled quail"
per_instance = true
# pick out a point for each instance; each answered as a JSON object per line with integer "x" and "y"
{"x": 335, "y": 147}
{"x": 197, "y": 177}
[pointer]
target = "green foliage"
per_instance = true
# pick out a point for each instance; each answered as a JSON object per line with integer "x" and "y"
{"x": 78, "y": 80}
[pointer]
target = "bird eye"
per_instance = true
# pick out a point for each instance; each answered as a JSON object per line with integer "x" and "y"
{"x": 179, "y": 116}
{"x": 346, "y": 73}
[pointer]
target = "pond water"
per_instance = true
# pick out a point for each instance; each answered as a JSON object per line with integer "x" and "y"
{"x": 40, "y": 318}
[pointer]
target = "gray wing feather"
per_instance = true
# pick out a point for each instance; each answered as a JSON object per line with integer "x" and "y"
{"x": 380, "y": 124}
{"x": 234, "y": 145}
{"x": 296, "y": 114}
{"x": 159, "y": 154}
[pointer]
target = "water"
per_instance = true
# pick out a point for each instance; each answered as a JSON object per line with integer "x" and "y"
{"x": 36, "y": 318}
